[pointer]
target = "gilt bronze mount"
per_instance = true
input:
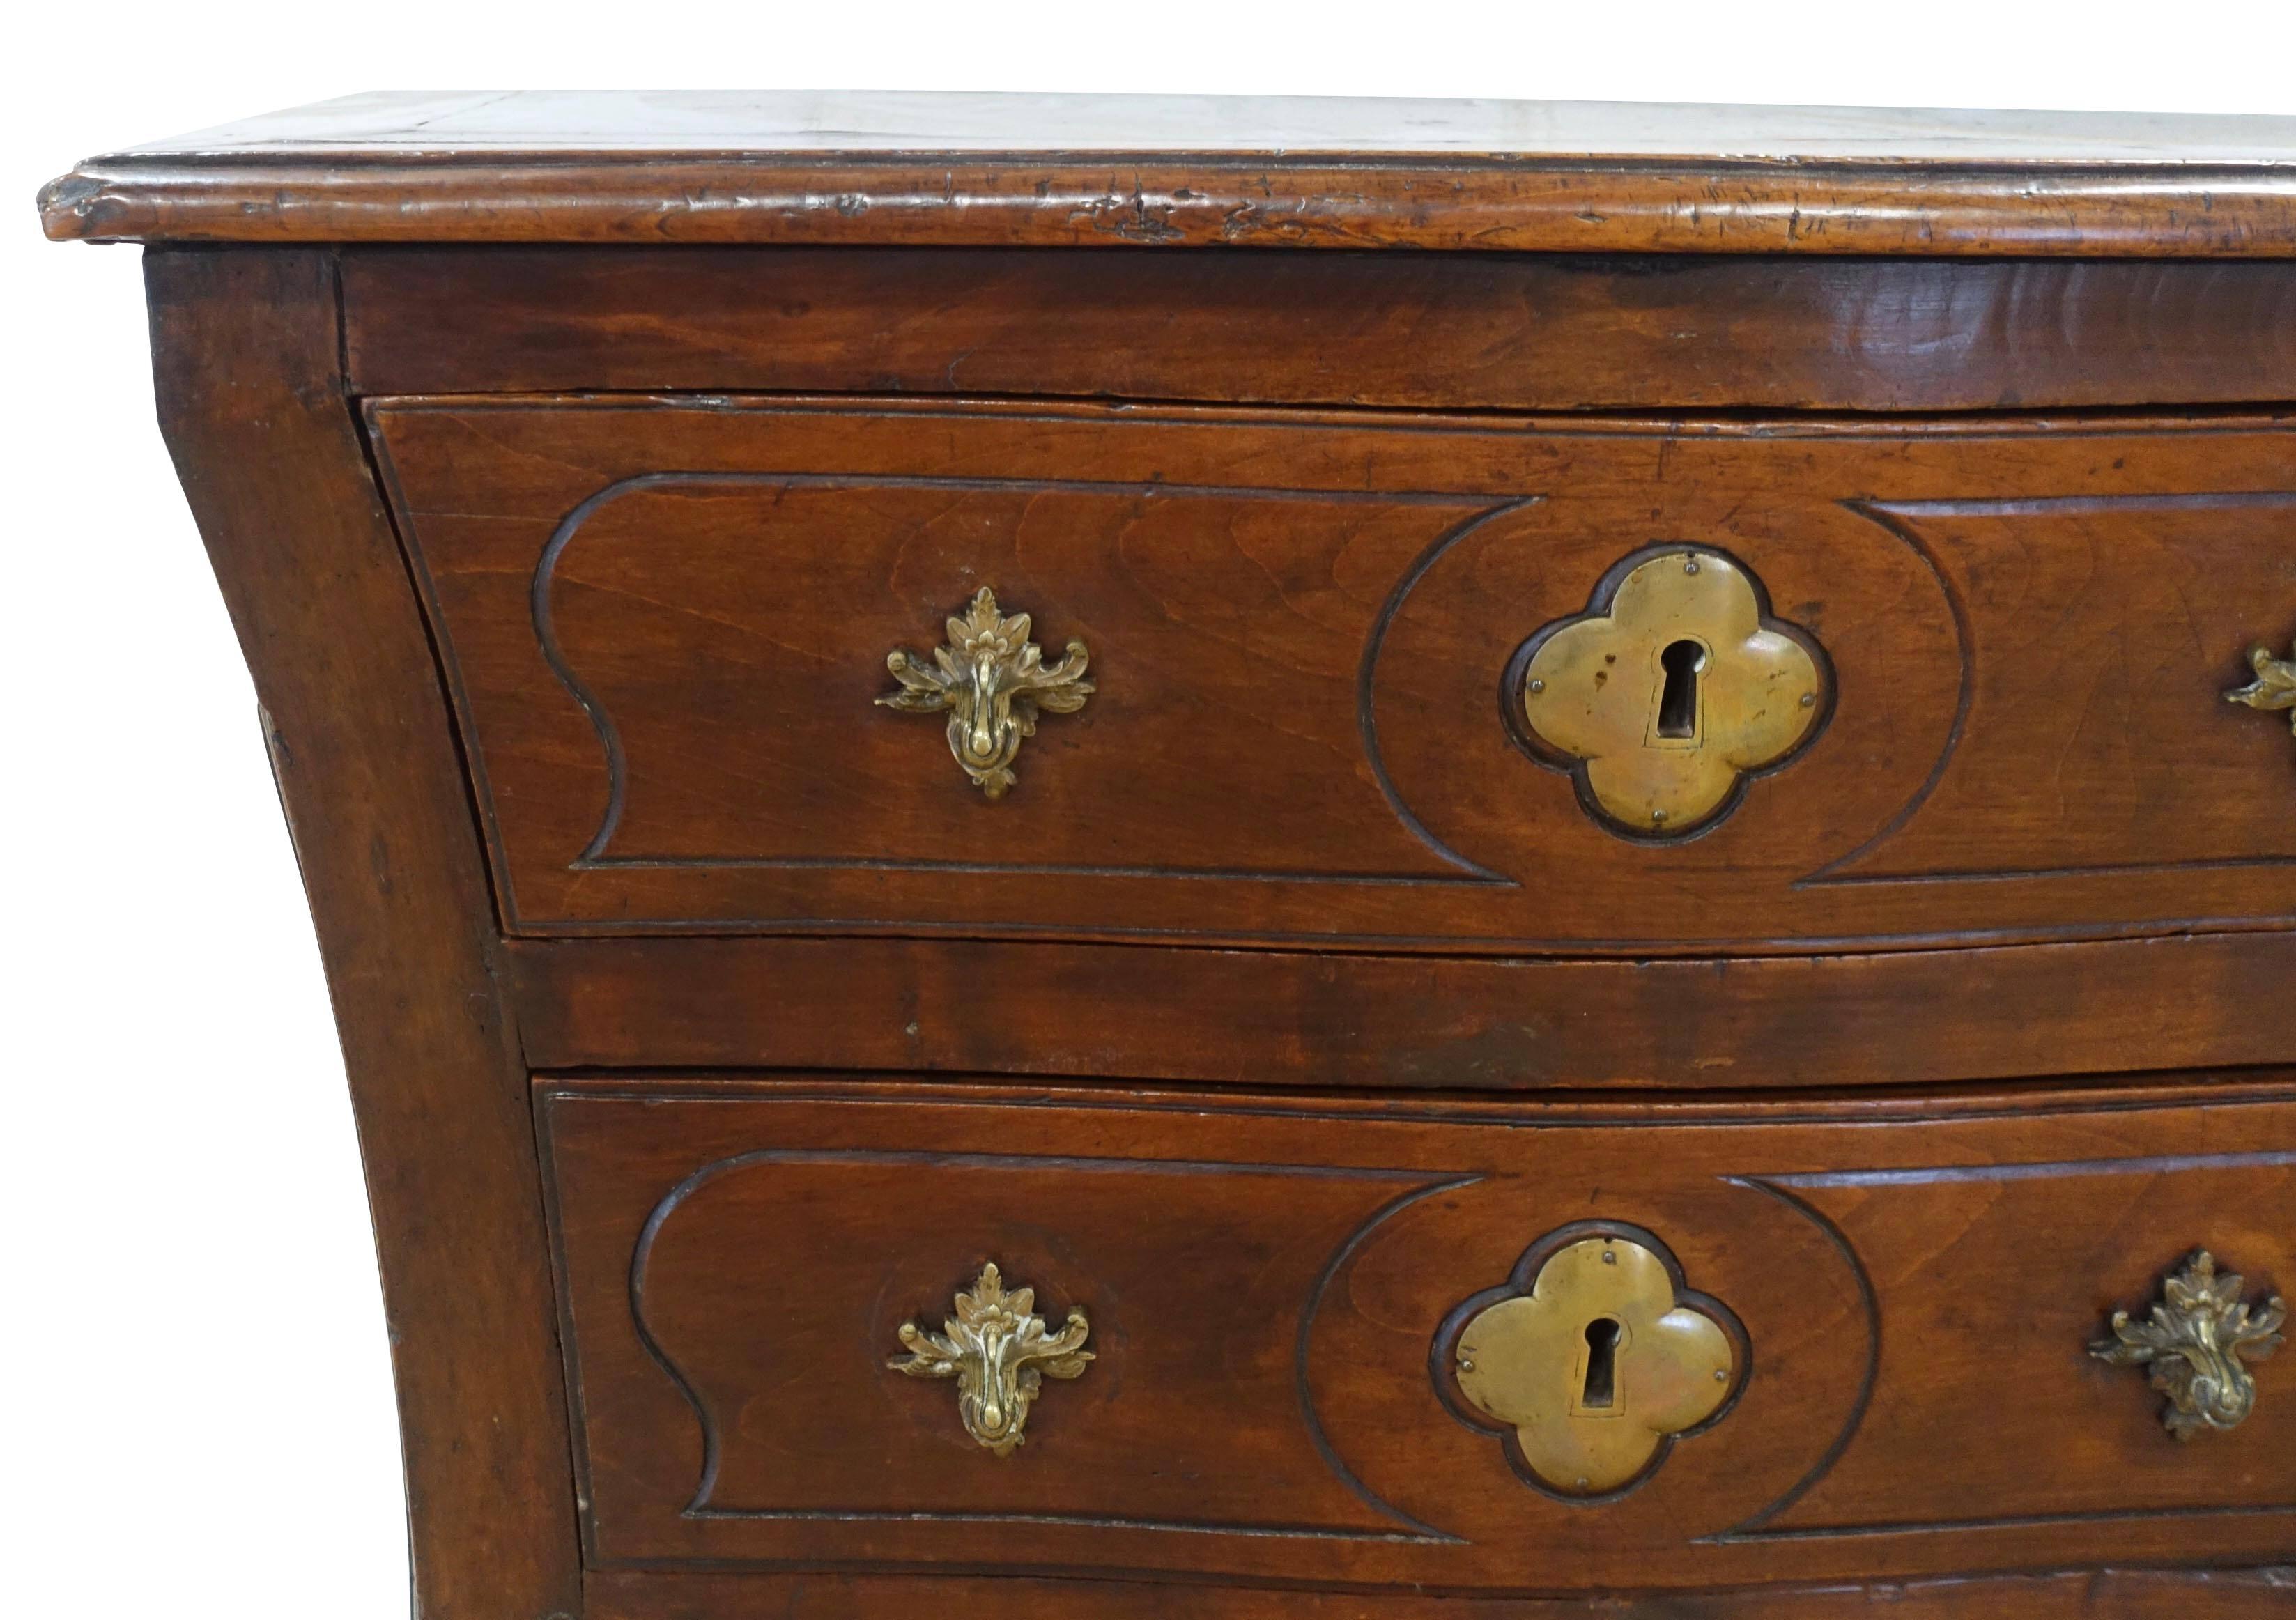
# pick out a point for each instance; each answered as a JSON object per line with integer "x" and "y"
{"x": 2194, "y": 1341}
{"x": 992, "y": 681}
{"x": 997, "y": 1350}
{"x": 2275, "y": 686}
{"x": 1590, "y": 1361}
{"x": 1669, "y": 690}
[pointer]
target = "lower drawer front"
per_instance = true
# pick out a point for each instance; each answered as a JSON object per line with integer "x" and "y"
{"x": 1436, "y": 1347}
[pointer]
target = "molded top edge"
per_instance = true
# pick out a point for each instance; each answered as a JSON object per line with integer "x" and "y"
{"x": 916, "y": 169}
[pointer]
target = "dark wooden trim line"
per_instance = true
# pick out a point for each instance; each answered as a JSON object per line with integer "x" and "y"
{"x": 1188, "y": 1014}
{"x": 1172, "y": 200}
{"x": 1499, "y": 331}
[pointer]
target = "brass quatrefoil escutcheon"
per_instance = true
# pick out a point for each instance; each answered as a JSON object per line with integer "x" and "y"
{"x": 2275, "y": 686}
{"x": 997, "y": 1350}
{"x": 992, "y": 681}
{"x": 2195, "y": 1342}
{"x": 1590, "y": 1361}
{"x": 1672, "y": 689}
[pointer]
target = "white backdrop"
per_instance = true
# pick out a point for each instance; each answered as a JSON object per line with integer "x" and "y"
{"x": 196, "y": 1412}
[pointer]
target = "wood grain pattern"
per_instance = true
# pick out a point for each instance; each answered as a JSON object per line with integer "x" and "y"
{"x": 266, "y": 443}
{"x": 668, "y": 623}
{"x": 1266, "y": 1287}
{"x": 2112, "y": 1594}
{"x": 1908, "y": 1018}
{"x": 1201, "y": 171}
{"x": 704, "y": 1024}
{"x": 1501, "y": 331}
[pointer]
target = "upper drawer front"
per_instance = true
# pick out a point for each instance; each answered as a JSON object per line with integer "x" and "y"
{"x": 1522, "y": 332}
{"x": 1383, "y": 1346}
{"x": 1351, "y": 680}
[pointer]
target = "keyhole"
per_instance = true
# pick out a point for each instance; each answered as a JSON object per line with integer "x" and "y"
{"x": 1602, "y": 1364}
{"x": 1678, "y": 699}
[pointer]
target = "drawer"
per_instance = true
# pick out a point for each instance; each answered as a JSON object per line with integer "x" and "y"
{"x": 1529, "y": 332}
{"x": 1428, "y": 1346}
{"x": 1554, "y": 685}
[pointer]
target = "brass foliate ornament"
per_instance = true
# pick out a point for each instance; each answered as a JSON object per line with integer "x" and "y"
{"x": 2275, "y": 686}
{"x": 997, "y": 1350}
{"x": 992, "y": 681}
{"x": 2194, "y": 1342}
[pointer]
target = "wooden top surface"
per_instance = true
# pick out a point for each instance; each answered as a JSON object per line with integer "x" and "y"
{"x": 1052, "y": 171}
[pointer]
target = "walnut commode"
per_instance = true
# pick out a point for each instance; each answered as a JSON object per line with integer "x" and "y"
{"x": 1090, "y": 858}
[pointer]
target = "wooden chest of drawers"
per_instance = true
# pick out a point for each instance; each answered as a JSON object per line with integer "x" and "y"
{"x": 1254, "y": 859}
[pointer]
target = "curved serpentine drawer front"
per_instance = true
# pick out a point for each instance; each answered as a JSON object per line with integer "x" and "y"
{"x": 1377, "y": 1347}
{"x": 1245, "y": 676}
